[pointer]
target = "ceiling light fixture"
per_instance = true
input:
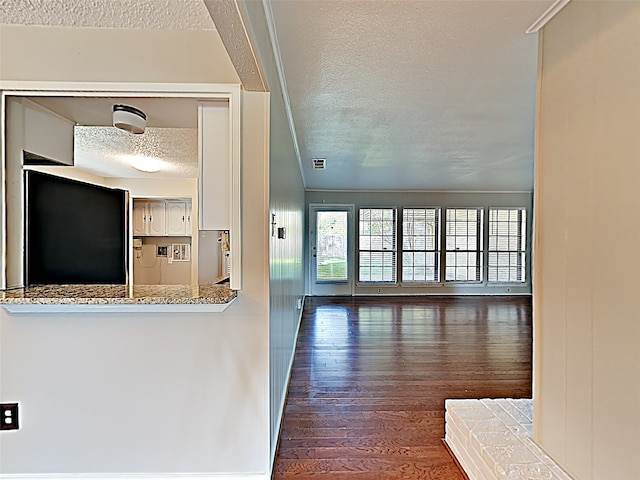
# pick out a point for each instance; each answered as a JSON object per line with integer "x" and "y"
{"x": 128, "y": 118}
{"x": 146, "y": 164}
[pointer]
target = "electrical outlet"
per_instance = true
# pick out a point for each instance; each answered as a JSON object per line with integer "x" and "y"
{"x": 9, "y": 416}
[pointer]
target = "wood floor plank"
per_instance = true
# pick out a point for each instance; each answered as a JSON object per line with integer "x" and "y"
{"x": 370, "y": 376}
{"x": 422, "y": 453}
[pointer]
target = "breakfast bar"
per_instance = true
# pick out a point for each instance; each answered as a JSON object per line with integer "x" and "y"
{"x": 121, "y": 298}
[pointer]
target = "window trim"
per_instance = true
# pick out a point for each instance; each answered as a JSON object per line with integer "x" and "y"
{"x": 395, "y": 250}
{"x": 480, "y": 252}
{"x": 437, "y": 251}
{"x": 527, "y": 247}
{"x": 482, "y": 240}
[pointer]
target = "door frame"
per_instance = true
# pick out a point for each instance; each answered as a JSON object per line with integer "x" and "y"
{"x": 328, "y": 287}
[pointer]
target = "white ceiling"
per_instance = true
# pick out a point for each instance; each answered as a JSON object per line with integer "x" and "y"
{"x": 168, "y": 14}
{"x": 395, "y": 94}
{"x": 108, "y": 151}
{"x": 424, "y": 95}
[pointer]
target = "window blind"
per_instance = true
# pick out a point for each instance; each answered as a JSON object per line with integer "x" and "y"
{"x": 377, "y": 248}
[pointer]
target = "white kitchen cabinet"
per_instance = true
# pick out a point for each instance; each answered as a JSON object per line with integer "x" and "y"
{"x": 178, "y": 216}
{"x": 188, "y": 221}
{"x": 139, "y": 218}
{"x": 149, "y": 218}
{"x": 161, "y": 218}
{"x": 215, "y": 162}
{"x": 157, "y": 224}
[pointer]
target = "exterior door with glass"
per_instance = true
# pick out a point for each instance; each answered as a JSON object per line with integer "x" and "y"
{"x": 331, "y": 236}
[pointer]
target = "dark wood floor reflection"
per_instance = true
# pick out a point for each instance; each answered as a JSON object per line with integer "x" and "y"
{"x": 370, "y": 376}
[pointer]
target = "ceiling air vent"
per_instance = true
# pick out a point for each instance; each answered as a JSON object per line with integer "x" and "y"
{"x": 319, "y": 163}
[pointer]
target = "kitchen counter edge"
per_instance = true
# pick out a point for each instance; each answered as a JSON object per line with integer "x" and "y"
{"x": 118, "y": 298}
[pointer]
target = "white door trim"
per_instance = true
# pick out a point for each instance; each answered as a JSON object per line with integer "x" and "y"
{"x": 329, "y": 288}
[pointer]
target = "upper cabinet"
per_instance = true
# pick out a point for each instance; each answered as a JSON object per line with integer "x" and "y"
{"x": 161, "y": 218}
{"x": 139, "y": 218}
{"x": 178, "y": 217}
{"x": 157, "y": 224}
{"x": 215, "y": 162}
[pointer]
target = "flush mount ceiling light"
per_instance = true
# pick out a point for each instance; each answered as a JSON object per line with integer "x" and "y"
{"x": 129, "y": 118}
{"x": 146, "y": 164}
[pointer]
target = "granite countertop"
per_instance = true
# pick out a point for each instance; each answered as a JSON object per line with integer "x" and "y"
{"x": 119, "y": 295}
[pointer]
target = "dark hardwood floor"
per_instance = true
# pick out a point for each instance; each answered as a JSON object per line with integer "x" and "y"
{"x": 370, "y": 376}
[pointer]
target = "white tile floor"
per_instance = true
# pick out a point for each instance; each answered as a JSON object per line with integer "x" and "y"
{"x": 492, "y": 440}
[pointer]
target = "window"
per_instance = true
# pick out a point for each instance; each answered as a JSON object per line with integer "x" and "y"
{"x": 377, "y": 245}
{"x": 480, "y": 245}
{"x": 507, "y": 244}
{"x": 421, "y": 245}
{"x": 463, "y": 245}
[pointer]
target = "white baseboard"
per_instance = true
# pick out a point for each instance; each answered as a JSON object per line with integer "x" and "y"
{"x": 136, "y": 476}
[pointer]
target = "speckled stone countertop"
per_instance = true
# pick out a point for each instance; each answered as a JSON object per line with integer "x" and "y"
{"x": 118, "y": 295}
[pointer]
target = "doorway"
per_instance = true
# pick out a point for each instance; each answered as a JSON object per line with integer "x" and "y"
{"x": 331, "y": 247}
{"x": 68, "y": 100}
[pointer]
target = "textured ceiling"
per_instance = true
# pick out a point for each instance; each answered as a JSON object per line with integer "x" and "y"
{"x": 237, "y": 41}
{"x": 166, "y": 14}
{"x": 425, "y": 95}
{"x": 395, "y": 94}
{"x": 108, "y": 151}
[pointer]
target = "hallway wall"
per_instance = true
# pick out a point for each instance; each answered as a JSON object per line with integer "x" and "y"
{"x": 286, "y": 210}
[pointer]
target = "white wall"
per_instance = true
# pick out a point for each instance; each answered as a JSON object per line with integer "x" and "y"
{"x": 286, "y": 270}
{"x": 587, "y": 261}
{"x": 12, "y": 177}
{"x": 113, "y": 55}
{"x": 210, "y": 257}
{"x": 286, "y": 275}
{"x": 161, "y": 188}
{"x": 151, "y": 269}
{"x": 286, "y": 202}
{"x": 135, "y": 393}
{"x": 142, "y": 393}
